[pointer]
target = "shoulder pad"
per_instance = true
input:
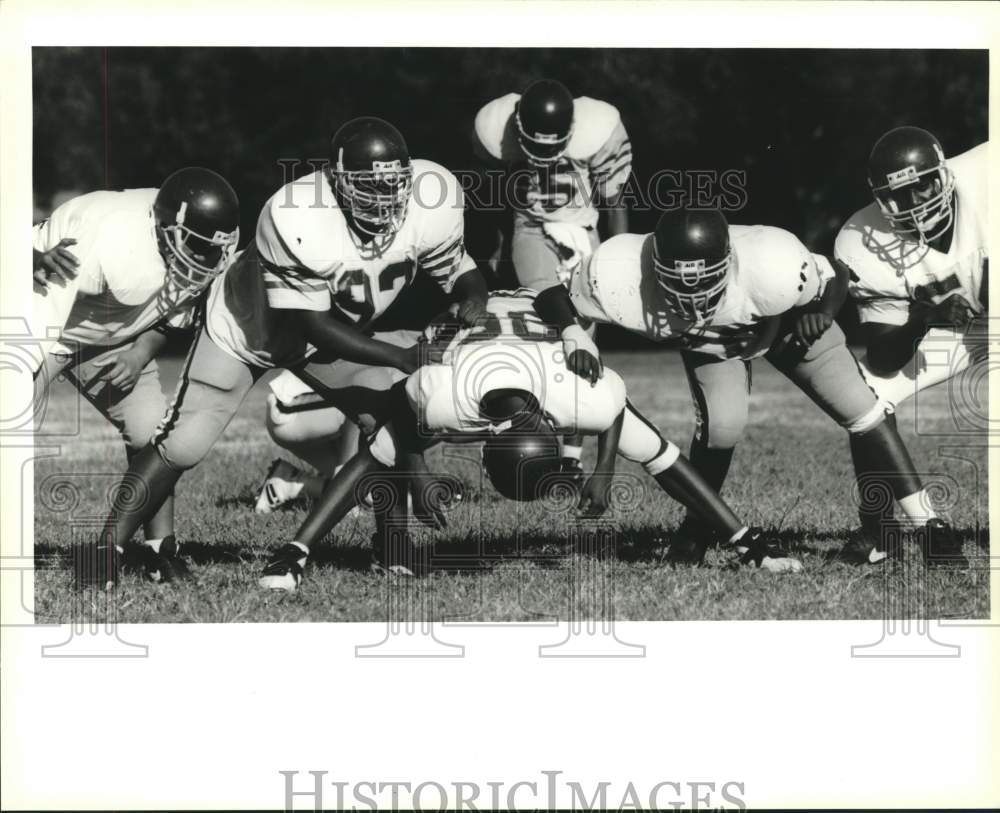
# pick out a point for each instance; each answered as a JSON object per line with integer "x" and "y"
{"x": 293, "y": 229}
{"x": 593, "y": 123}
{"x": 491, "y": 122}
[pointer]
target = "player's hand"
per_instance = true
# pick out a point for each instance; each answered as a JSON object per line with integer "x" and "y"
{"x": 471, "y": 312}
{"x": 595, "y": 496}
{"x": 58, "y": 264}
{"x": 955, "y": 311}
{"x": 811, "y": 325}
{"x": 582, "y": 355}
{"x": 125, "y": 369}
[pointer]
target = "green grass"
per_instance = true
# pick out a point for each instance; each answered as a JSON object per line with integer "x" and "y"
{"x": 515, "y": 562}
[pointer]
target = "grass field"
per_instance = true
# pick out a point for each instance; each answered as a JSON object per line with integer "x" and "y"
{"x": 515, "y": 562}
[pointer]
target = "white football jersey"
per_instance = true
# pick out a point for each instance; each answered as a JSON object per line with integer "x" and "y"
{"x": 121, "y": 285}
{"x": 511, "y": 349}
{"x": 888, "y": 273}
{"x": 597, "y": 161}
{"x": 773, "y": 273}
{"x": 306, "y": 257}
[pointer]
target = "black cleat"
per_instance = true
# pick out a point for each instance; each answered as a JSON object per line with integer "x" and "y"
{"x": 687, "y": 551}
{"x": 871, "y": 547}
{"x": 758, "y": 550}
{"x": 96, "y": 565}
{"x": 165, "y": 565}
{"x": 942, "y": 547}
{"x": 285, "y": 569}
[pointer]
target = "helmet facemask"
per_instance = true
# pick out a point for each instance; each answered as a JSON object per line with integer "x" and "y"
{"x": 924, "y": 221}
{"x": 376, "y": 198}
{"x": 693, "y": 289}
{"x": 541, "y": 149}
{"x": 193, "y": 260}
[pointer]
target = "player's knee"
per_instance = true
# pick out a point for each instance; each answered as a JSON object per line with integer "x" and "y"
{"x": 180, "y": 453}
{"x": 724, "y": 429}
{"x": 869, "y": 419}
{"x": 663, "y": 461}
{"x": 287, "y": 428}
{"x": 383, "y": 447}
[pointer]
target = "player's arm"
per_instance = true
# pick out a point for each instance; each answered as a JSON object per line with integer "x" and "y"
{"x": 56, "y": 264}
{"x": 890, "y": 346}
{"x": 596, "y": 492}
{"x": 334, "y": 337}
{"x": 817, "y": 318}
{"x": 123, "y": 369}
{"x": 610, "y": 170}
{"x": 470, "y": 293}
{"x": 554, "y": 307}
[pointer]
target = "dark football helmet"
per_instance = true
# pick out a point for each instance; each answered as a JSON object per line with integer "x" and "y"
{"x": 544, "y": 119}
{"x": 912, "y": 184}
{"x": 692, "y": 257}
{"x": 523, "y": 453}
{"x": 197, "y": 223}
{"x": 372, "y": 176}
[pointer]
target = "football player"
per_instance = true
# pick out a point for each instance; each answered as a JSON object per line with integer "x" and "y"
{"x": 734, "y": 293}
{"x": 917, "y": 259}
{"x": 566, "y": 158}
{"x": 505, "y": 381}
{"x": 140, "y": 260}
{"x": 332, "y": 251}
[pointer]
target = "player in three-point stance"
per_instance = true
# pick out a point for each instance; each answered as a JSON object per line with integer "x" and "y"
{"x": 917, "y": 260}
{"x": 139, "y": 263}
{"x": 566, "y": 160}
{"x": 332, "y": 251}
{"x": 504, "y": 382}
{"x": 735, "y": 293}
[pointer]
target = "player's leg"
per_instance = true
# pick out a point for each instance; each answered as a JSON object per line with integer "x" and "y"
{"x": 642, "y": 443}
{"x": 211, "y": 388}
{"x": 720, "y": 390}
{"x": 135, "y": 414}
{"x": 313, "y": 431}
{"x": 829, "y": 374}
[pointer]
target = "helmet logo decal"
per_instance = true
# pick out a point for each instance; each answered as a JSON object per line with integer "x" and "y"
{"x": 902, "y": 177}
{"x": 690, "y": 271}
{"x": 181, "y": 213}
{"x": 387, "y": 166}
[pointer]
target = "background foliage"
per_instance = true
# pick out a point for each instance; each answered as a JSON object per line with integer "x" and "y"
{"x": 799, "y": 122}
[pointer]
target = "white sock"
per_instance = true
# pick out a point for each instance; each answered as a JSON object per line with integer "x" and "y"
{"x": 303, "y": 548}
{"x": 153, "y": 543}
{"x": 736, "y": 537}
{"x": 572, "y": 452}
{"x": 917, "y": 507}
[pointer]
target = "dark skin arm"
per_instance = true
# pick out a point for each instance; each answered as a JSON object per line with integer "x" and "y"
{"x": 410, "y": 446}
{"x": 555, "y": 307}
{"x": 596, "y": 492}
{"x": 890, "y": 347}
{"x": 616, "y": 216}
{"x": 340, "y": 340}
{"x": 470, "y": 292}
{"x": 814, "y": 321}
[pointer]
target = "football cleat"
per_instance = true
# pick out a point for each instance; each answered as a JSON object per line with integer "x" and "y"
{"x": 96, "y": 566}
{"x": 871, "y": 548}
{"x": 943, "y": 548}
{"x": 757, "y": 550}
{"x": 687, "y": 550}
{"x": 282, "y": 484}
{"x": 285, "y": 569}
{"x": 164, "y": 565}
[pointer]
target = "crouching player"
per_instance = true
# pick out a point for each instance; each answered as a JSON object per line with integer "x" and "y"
{"x": 504, "y": 382}
{"x": 735, "y": 293}
{"x": 917, "y": 259}
{"x": 140, "y": 261}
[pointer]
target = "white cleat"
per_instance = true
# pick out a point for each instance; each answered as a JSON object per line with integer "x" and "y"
{"x": 282, "y": 484}
{"x": 781, "y": 564}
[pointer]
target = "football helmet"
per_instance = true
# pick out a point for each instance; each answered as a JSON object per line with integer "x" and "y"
{"x": 523, "y": 452}
{"x": 372, "y": 176}
{"x": 196, "y": 218}
{"x": 692, "y": 257}
{"x": 912, "y": 184}
{"x": 544, "y": 119}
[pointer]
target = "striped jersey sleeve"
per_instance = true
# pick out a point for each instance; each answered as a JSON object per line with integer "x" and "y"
{"x": 443, "y": 256}
{"x": 612, "y": 163}
{"x": 289, "y": 284}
